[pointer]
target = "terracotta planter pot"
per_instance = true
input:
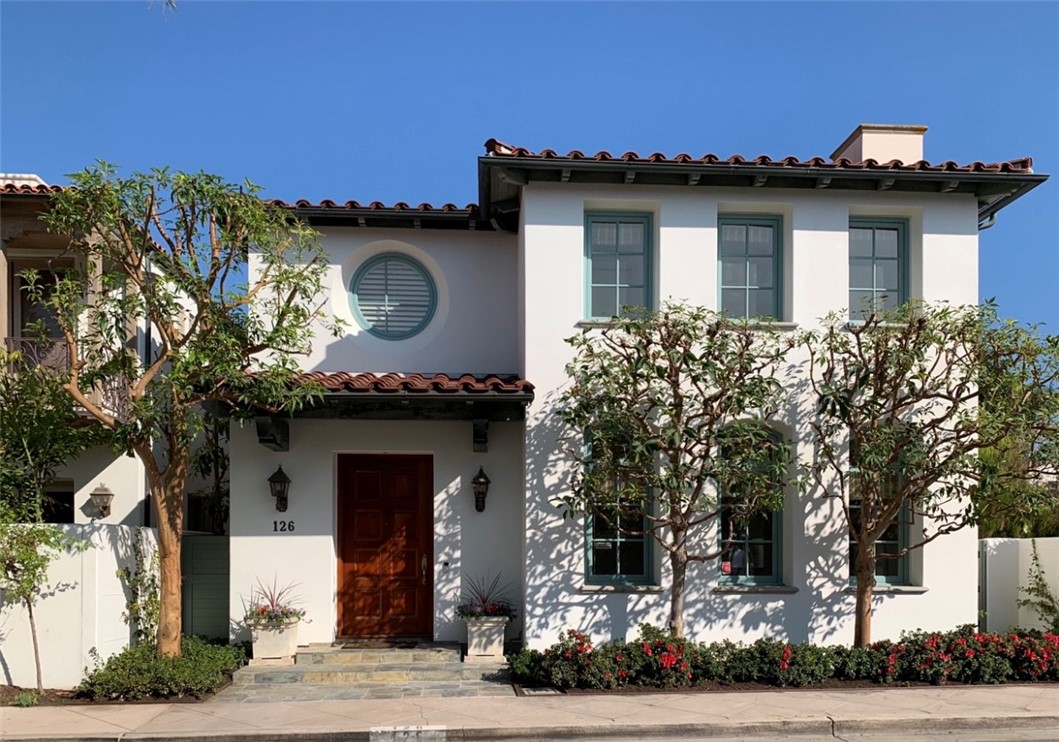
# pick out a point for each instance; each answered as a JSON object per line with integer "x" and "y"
{"x": 485, "y": 638}
{"x": 275, "y": 641}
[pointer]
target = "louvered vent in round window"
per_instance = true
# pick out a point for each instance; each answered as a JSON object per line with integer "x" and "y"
{"x": 393, "y": 296}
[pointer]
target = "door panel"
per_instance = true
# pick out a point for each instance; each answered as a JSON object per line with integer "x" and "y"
{"x": 384, "y": 531}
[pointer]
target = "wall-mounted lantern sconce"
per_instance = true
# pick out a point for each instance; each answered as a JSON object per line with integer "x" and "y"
{"x": 101, "y": 498}
{"x": 480, "y": 485}
{"x": 279, "y": 486}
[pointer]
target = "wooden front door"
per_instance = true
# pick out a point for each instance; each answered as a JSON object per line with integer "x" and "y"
{"x": 385, "y": 546}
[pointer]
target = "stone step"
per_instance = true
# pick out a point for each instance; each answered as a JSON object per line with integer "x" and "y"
{"x": 363, "y": 673}
{"x": 338, "y": 656}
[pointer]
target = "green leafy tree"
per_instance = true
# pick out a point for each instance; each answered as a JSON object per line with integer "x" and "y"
{"x": 906, "y": 400}
{"x": 169, "y": 254}
{"x": 1015, "y": 503}
{"x": 667, "y": 411}
{"x": 26, "y": 552}
{"x": 40, "y": 431}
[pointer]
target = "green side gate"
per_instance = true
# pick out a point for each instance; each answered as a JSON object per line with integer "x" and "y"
{"x": 205, "y": 563}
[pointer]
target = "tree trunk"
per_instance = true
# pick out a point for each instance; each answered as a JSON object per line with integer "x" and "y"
{"x": 678, "y": 561}
{"x": 865, "y": 590}
{"x": 36, "y": 645}
{"x": 168, "y": 497}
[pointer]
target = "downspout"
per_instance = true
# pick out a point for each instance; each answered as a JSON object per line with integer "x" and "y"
{"x": 989, "y": 222}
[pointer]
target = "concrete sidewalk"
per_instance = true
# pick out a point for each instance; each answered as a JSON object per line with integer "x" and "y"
{"x": 630, "y": 716}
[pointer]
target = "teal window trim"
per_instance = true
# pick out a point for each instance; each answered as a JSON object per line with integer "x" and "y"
{"x": 903, "y": 275}
{"x": 902, "y": 576}
{"x": 748, "y": 220}
{"x": 628, "y": 217}
{"x": 416, "y": 266}
{"x": 776, "y": 576}
{"x": 591, "y": 578}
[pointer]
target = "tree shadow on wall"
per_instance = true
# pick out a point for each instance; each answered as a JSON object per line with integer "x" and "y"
{"x": 555, "y": 596}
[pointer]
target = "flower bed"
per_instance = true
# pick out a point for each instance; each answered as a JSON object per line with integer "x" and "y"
{"x": 657, "y": 660}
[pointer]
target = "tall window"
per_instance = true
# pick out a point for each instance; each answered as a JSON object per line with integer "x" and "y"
{"x": 751, "y": 548}
{"x": 889, "y": 571}
{"x": 618, "y": 547}
{"x": 878, "y": 265}
{"x": 618, "y": 263}
{"x": 749, "y": 264}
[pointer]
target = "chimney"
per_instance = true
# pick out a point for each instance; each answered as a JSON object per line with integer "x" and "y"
{"x": 882, "y": 143}
{"x": 21, "y": 179}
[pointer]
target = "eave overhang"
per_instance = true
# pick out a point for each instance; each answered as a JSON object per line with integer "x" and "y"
{"x": 501, "y": 178}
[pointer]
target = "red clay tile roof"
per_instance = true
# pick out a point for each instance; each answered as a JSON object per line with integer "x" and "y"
{"x": 377, "y": 206}
{"x": 44, "y": 190}
{"x": 496, "y": 148}
{"x": 344, "y": 381}
{"x": 31, "y": 190}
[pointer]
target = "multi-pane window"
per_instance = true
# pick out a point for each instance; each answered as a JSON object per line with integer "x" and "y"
{"x": 618, "y": 258}
{"x": 877, "y": 265}
{"x": 749, "y": 263}
{"x": 891, "y": 570}
{"x": 751, "y": 548}
{"x": 618, "y": 546}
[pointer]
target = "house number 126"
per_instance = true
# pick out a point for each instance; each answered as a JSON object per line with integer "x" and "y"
{"x": 282, "y": 526}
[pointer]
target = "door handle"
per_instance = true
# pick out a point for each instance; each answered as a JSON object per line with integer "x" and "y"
{"x": 423, "y": 564}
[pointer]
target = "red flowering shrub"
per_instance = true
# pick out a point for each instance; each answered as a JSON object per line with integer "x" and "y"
{"x": 658, "y": 660}
{"x": 661, "y": 659}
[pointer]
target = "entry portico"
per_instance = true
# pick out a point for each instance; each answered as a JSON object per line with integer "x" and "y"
{"x": 381, "y": 520}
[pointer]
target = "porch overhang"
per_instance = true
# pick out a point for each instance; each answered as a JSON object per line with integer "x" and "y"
{"x": 480, "y": 399}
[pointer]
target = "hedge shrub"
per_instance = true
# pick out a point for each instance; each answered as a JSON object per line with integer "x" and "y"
{"x": 655, "y": 659}
{"x": 139, "y": 672}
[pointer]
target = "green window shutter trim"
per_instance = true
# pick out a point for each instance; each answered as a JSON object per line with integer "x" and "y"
{"x": 618, "y": 217}
{"x": 591, "y": 578}
{"x": 776, "y": 577}
{"x": 898, "y": 224}
{"x": 753, "y": 220}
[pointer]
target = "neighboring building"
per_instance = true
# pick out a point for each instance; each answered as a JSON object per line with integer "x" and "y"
{"x": 455, "y": 354}
{"x": 27, "y": 244}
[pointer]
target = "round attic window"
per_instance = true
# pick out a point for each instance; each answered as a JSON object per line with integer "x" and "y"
{"x": 393, "y": 296}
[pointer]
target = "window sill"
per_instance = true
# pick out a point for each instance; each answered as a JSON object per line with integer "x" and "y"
{"x": 602, "y": 324}
{"x": 618, "y": 588}
{"x": 858, "y": 324}
{"x": 890, "y": 589}
{"x": 778, "y": 326}
{"x": 755, "y": 589}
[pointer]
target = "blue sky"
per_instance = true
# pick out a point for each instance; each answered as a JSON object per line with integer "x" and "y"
{"x": 393, "y": 101}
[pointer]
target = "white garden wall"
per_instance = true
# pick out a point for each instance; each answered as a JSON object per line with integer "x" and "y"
{"x": 80, "y": 609}
{"x": 1005, "y": 570}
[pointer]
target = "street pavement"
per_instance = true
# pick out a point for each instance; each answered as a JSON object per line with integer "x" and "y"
{"x": 920, "y": 713}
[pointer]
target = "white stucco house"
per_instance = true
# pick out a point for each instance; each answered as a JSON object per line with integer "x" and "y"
{"x": 454, "y": 353}
{"x": 455, "y": 350}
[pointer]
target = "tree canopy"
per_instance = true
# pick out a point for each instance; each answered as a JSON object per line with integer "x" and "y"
{"x": 905, "y": 402}
{"x": 221, "y": 291}
{"x": 668, "y": 416}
